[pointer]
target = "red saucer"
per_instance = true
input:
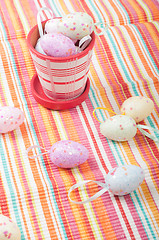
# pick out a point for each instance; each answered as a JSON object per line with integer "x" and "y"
{"x": 41, "y": 98}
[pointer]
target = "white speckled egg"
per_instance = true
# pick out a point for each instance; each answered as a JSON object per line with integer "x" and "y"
{"x": 57, "y": 45}
{"x": 10, "y": 118}
{"x": 38, "y": 47}
{"x": 76, "y": 25}
{"x": 137, "y": 107}
{"x": 119, "y": 128}
{"x": 8, "y": 229}
{"x": 68, "y": 154}
{"x": 51, "y": 26}
{"x": 124, "y": 179}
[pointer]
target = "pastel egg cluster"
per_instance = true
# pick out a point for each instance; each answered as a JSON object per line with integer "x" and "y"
{"x": 74, "y": 25}
{"x": 124, "y": 179}
{"x": 8, "y": 229}
{"x": 62, "y": 35}
{"x": 68, "y": 154}
{"x": 123, "y": 127}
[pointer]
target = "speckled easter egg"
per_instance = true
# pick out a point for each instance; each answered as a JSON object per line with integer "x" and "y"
{"x": 10, "y": 118}
{"x": 68, "y": 154}
{"x": 8, "y": 229}
{"x": 119, "y": 128}
{"x": 76, "y": 25}
{"x": 38, "y": 47}
{"x": 51, "y": 26}
{"x": 124, "y": 179}
{"x": 57, "y": 45}
{"x": 137, "y": 107}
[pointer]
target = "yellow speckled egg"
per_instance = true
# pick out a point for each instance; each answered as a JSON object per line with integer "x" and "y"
{"x": 137, "y": 107}
{"x": 119, "y": 128}
{"x": 8, "y": 229}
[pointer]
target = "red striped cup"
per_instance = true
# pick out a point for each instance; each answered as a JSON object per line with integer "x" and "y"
{"x": 62, "y": 78}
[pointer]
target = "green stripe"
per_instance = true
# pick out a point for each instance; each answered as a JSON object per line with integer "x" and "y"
{"x": 35, "y": 137}
{"x": 11, "y": 189}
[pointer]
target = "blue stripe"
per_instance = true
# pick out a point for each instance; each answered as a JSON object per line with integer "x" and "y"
{"x": 98, "y": 113}
{"x": 11, "y": 189}
{"x": 54, "y": 8}
{"x": 124, "y": 11}
{"x": 146, "y": 48}
{"x": 117, "y": 52}
{"x": 36, "y": 139}
{"x": 143, "y": 211}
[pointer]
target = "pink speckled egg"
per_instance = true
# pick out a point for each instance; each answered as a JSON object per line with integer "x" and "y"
{"x": 8, "y": 229}
{"x": 57, "y": 45}
{"x": 68, "y": 154}
{"x": 10, "y": 118}
{"x": 137, "y": 107}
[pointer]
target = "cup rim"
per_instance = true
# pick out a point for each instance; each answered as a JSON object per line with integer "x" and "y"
{"x": 58, "y": 59}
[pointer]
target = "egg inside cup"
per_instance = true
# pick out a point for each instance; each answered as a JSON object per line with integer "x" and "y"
{"x": 60, "y": 82}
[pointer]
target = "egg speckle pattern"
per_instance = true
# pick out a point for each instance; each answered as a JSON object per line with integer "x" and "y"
{"x": 76, "y": 25}
{"x": 57, "y": 45}
{"x": 137, "y": 107}
{"x": 8, "y": 229}
{"x": 119, "y": 128}
{"x": 124, "y": 179}
{"x": 10, "y": 118}
{"x": 68, "y": 154}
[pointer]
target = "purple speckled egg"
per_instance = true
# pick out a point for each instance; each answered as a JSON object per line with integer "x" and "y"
{"x": 68, "y": 154}
{"x": 57, "y": 45}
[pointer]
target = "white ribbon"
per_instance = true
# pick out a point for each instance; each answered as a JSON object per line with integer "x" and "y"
{"x": 81, "y": 183}
{"x": 83, "y": 43}
{"x": 39, "y": 19}
{"x": 141, "y": 127}
{"x": 37, "y": 155}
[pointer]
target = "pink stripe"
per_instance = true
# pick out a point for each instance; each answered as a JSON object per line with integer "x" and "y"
{"x": 27, "y": 190}
{"x": 64, "y": 83}
{"x": 63, "y": 72}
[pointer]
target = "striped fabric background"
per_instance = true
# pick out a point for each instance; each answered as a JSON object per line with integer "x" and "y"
{"x": 125, "y": 63}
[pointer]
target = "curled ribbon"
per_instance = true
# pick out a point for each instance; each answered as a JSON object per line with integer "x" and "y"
{"x": 38, "y": 155}
{"x": 39, "y": 19}
{"x": 102, "y": 108}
